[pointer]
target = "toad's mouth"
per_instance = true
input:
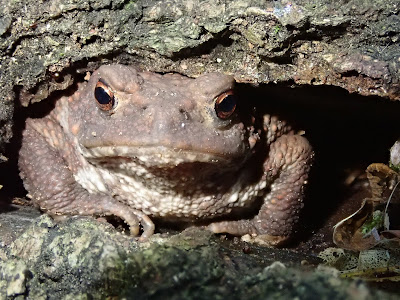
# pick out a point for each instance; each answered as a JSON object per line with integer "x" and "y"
{"x": 153, "y": 156}
{"x": 164, "y": 167}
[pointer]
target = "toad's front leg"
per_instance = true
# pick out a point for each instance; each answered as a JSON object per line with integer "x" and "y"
{"x": 48, "y": 178}
{"x": 287, "y": 165}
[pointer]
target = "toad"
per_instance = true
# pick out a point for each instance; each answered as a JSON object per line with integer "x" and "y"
{"x": 143, "y": 146}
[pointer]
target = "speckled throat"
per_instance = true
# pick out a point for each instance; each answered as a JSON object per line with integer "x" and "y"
{"x": 162, "y": 181}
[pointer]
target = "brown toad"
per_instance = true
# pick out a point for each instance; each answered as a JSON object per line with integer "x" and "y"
{"x": 138, "y": 145}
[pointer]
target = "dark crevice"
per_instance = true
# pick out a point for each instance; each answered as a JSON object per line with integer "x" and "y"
{"x": 13, "y": 46}
{"x": 220, "y": 39}
{"x": 347, "y": 131}
{"x": 351, "y": 73}
{"x": 91, "y": 40}
{"x": 314, "y": 33}
{"x": 286, "y": 59}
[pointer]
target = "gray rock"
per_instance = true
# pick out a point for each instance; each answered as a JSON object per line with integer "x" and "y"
{"x": 82, "y": 258}
{"x": 46, "y": 46}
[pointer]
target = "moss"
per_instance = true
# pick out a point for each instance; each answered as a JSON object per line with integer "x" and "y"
{"x": 131, "y": 5}
{"x": 276, "y": 29}
{"x": 375, "y": 221}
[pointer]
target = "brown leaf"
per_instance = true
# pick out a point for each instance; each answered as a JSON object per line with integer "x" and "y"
{"x": 347, "y": 233}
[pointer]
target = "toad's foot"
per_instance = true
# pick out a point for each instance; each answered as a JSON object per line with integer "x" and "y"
{"x": 288, "y": 164}
{"x": 54, "y": 189}
{"x": 246, "y": 227}
{"x": 107, "y": 206}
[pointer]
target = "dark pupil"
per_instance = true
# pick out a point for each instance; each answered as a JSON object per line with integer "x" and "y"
{"x": 101, "y": 96}
{"x": 227, "y": 104}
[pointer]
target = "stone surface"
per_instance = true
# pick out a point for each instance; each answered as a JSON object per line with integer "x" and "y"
{"x": 351, "y": 44}
{"x": 86, "y": 259}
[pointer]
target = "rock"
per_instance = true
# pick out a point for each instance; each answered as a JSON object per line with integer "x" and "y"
{"x": 14, "y": 276}
{"x": 354, "y": 46}
{"x": 83, "y": 258}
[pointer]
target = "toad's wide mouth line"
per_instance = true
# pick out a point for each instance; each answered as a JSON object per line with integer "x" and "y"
{"x": 156, "y": 154}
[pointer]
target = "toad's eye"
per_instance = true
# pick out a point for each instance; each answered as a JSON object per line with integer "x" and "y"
{"x": 225, "y": 104}
{"x": 104, "y": 96}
